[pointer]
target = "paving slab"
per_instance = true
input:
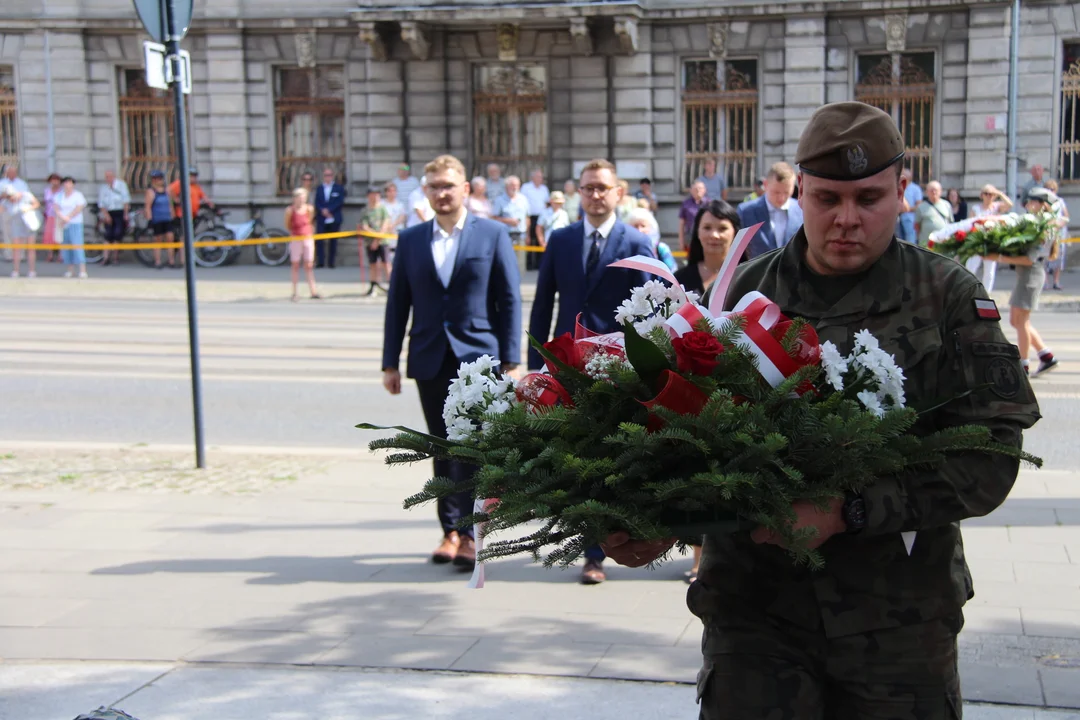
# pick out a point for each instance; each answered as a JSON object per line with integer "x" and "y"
{"x": 990, "y": 683}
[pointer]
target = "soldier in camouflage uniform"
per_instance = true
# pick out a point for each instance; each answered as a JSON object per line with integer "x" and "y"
{"x": 872, "y": 636}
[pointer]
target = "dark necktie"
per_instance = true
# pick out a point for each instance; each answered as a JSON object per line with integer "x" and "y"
{"x": 594, "y": 253}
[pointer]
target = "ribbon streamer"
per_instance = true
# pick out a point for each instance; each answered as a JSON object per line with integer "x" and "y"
{"x": 477, "y": 580}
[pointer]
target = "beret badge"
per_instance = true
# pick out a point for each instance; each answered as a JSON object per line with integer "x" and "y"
{"x": 856, "y": 159}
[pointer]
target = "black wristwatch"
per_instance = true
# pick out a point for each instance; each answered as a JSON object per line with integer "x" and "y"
{"x": 854, "y": 513}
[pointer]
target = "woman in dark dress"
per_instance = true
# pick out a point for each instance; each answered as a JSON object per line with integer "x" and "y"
{"x": 715, "y": 227}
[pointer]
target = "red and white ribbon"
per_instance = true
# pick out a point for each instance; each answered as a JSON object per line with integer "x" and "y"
{"x": 477, "y": 580}
{"x": 760, "y": 313}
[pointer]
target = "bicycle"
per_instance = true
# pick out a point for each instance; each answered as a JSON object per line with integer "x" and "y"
{"x": 134, "y": 233}
{"x": 205, "y": 220}
{"x": 272, "y": 253}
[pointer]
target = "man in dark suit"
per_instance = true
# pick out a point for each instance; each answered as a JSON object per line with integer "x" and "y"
{"x": 458, "y": 276}
{"x": 776, "y": 208}
{"x": 329, "y": 199}
{"x": 575, "y": 265}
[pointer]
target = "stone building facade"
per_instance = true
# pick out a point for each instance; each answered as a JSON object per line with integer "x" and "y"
{"x": 656, "y": 85}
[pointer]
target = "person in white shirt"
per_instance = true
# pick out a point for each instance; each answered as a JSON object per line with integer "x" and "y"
{"x": 991, "y": 202}
{"x": 405, "y": 182}
{"x": 24, "y": 224}
{"x": 537, "y": 193}
{"x": 553, "y": 218}
{"x": 7, "y": 208}
{"x": 513, "y": 210}
{"x": 114, "y": 208}
{"x": 420, "y": 210}
{"x": 394, "y": 206}
{"x": 69, "y": 209}
{"x": 478, "y": 202}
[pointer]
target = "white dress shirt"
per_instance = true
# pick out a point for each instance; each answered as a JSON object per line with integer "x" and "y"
{"x": 444, "y": 248}
{"x": 778, "y": 218}
{"x": 113, "y": 197}
{"x": 538, "y": 197}
{"x": 605, "y": 231}
{"x": 327, "y": 188}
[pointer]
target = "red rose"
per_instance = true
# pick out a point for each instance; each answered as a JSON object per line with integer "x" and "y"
{"x": 566, "y": 350}
{"x": 695, "y": 352}
{"x": 960, "y": 235}
{"x": 930, "y": 244}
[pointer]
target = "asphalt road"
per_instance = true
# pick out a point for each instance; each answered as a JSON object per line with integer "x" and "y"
{"x": 278, "y": 374}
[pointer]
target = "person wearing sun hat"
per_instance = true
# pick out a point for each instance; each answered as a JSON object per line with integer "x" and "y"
{"x": 872, "y": 633}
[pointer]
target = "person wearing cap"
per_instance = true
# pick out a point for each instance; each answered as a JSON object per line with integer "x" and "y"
{"x": 158, "y": 210}
{"x": 1030, "y": 278}
{"x": 376, "y": 219}
{"x": 406, "y": 183}
{"x": 873, "y": 633}
{"x": 991, "y": 202}
{"x": 198, "y": 197}
{"x": 553, "y": 218}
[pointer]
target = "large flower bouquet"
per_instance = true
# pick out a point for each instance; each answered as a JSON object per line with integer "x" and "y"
{"x": 1008, "y": 235}
{"x": 691, "y": 420}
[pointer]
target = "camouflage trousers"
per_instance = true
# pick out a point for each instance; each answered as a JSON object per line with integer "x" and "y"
{"x": 762, "y": 668}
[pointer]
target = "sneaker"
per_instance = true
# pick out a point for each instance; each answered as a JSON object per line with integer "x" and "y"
{"x": 1045, "y": 366}
{"x": 14, "y": 274}
{"x": 68, "y": 274}
{"x": 31, "y": 274}
{"x": 83, "y": 275}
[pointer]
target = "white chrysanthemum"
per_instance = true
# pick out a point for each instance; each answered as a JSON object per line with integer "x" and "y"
{"x": 645, "y": 326}
{"x": 835, "y": 365}
{"x": 865, "y": 340}
{"x": 871, "y": 402}
{"x": 499, "y": 406}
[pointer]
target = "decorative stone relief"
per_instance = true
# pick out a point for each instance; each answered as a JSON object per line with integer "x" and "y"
{"x": 580, "y": 37}
{"x": 369, "y": 35}
{"x": 718, "y": 39}
{"x": 305, "y": 48}
{"x": 413, "y": 35}
{"x": 896, "y": 33}
{"x": 507, "y": 38}
{"x": 626, "y": 30}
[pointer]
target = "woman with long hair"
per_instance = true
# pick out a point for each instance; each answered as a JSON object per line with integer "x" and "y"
{"x": 715, "y": 227}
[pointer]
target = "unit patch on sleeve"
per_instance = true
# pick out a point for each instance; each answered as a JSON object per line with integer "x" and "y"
{"x": 986, "y": 309}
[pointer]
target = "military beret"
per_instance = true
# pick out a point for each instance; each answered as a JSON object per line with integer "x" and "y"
{"x": 849, "y": 141}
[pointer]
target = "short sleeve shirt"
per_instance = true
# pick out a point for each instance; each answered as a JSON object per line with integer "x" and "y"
{"x": 374, "y": 218}
{"x": 688, "y": 212}
{"x": 714, "y": 186}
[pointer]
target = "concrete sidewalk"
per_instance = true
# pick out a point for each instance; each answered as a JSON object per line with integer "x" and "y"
{"x": 248, "y": 283}
{"x": 156, "y": 691}
{"x": 328, "y": 571}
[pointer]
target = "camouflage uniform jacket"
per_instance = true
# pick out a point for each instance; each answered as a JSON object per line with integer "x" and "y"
{"x": 921, "y": 306}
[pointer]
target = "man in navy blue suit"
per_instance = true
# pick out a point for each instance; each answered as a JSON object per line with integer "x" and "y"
{"x": 575, "y": 266}
{"x": 329, "y": 199}
{"x": 458, "y": 277}
{"x": 776, "y": 208}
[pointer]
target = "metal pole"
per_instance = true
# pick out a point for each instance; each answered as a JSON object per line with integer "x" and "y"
{"x": 172, "y": 55}
{"x": 1011, "y": 159}
{"x": 50, "y": 119}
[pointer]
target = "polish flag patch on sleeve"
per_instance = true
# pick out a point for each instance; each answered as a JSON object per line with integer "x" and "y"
{"x": 987, "y": 309}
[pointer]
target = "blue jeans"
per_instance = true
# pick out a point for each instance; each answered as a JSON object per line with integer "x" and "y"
{"x": 905, "y": 228}
{"x": 73, "y": 237}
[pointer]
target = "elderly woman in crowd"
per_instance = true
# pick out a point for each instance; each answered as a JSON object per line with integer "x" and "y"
{"x": 642, "y": 220}
{"x": 478, "y": 202}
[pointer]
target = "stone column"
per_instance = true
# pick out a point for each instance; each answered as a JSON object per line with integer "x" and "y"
{"x": 71, "y": 107}
{"x": 227, "y": 104}
{"x": 987, "y": 96}
{"x": 632, "y": 83}
{"x": 804, "y": 77}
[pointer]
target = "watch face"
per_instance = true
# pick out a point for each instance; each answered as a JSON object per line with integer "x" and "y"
{"x": 855, "y": 514}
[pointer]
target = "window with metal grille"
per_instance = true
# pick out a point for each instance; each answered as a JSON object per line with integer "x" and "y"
{"x": 1068, "y": 166}
{"x": 510, "y": 122}
{"x": 720, "y": 120}
{"x": 147, "y": 130}
{"x": 309, "y": 109}
{"x": 902, "y": 84}
{"x": 9, "y": 119}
